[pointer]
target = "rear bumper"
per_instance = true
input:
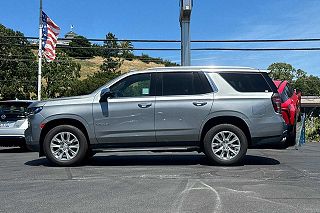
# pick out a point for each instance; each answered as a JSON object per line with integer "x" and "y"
{"x": 271, "y": 139}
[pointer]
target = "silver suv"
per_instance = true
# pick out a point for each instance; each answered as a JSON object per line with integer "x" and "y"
{"x": 216, "y": 110}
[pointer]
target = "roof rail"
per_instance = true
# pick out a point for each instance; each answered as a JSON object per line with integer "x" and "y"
{"x": 200, "y": 67}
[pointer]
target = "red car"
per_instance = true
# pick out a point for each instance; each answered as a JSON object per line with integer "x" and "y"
{"x": 290, "y": 105}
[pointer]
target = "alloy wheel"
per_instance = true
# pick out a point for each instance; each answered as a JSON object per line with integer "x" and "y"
{"x": 225, "y": 145}
{"x": 64, "y": 146}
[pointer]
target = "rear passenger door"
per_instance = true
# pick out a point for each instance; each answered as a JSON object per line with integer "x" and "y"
{"x": 183, "y": 101}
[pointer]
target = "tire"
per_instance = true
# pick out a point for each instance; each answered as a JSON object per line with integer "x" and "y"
{"x": 225, "y": 156}
{"x": 291, "y": 139}
{"x": 65, "y": 145}
{"x": 299, "y": 117}
{"x": 90, "y": 154}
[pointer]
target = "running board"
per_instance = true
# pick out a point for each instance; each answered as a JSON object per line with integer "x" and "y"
{"x": 151, "y": 149}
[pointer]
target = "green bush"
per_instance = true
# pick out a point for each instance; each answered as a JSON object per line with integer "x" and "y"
{"x": 313, "y": 129}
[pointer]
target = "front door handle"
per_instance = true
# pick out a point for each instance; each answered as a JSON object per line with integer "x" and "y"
{"x": 145, "y": 105}
{"x": 199, "y": 103}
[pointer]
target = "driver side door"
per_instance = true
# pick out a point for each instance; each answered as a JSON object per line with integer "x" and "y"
{"x": 128, "y": 115}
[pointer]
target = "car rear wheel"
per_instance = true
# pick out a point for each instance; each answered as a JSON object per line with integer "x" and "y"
{"x": 225, "y": 144}
{"x": 65, "y": 145}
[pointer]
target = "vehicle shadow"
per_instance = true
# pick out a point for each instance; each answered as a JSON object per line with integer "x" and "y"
{"x": 270, "y": 145}
{"x": 13, "y": 150}
{"x": 157, "y": 160}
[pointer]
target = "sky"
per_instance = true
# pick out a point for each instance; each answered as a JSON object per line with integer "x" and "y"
{"x": 210, "y": 20}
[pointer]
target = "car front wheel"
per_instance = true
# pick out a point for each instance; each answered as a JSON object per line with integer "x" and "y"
{"x": 225, "y": 144}
{"x": 65, "y": 145}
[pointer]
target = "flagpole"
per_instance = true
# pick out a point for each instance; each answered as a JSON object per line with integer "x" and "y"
{"x": 40, "y": 53}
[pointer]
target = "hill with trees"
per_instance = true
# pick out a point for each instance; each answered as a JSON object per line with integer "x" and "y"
{"x": 79, "y": 68}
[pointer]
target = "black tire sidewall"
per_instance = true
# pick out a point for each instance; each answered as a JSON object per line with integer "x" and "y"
{"x": 225, "y": 127}
{"x": 291, "y": 139}
{"x": 83, "y": 145}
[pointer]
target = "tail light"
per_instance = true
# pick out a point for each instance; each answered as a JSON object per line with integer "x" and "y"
{"x": 276, "y": 102}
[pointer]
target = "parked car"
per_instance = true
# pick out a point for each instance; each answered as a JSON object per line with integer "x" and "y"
{"x": 215, "y": 110}
{"x": 13, "y": 122}
{"x": 290, "y": 105}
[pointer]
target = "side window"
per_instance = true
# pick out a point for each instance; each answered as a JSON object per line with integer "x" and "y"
{"x": 201, "y": 83}
{"x": 290, "y": 90}
{"x": 284, "y": 95}
{"x": 133, "y": 86}
{"x": 177, "y": 83}
{"x": 185, "y": 83}
{"x": 247, "y": 82}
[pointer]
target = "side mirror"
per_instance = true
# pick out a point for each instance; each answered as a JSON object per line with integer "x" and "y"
{"x": 105, "y": 94}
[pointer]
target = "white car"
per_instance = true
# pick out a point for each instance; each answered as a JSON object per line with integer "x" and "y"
{"x": 13, "y": 122}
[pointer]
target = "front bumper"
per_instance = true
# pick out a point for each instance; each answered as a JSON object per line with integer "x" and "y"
{"x": 12, "y": 140}
{"x": 30, "y": 142}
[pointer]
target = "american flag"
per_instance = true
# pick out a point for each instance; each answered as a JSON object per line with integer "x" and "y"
{"x": 50, "y": 32}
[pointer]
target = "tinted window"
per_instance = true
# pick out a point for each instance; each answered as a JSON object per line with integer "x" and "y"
{"x": 133, "y": 86}
{"x": 270, "y": 82}
{"x": 185, "y": 83}
{"x": 247, "y": 82}
{"x": 201, "y": 83}
{"x": 177, "y": 83}
{"x": 289, "y": 90}
{"x": 284, "y": 96}
{"x": 286, "y": 93}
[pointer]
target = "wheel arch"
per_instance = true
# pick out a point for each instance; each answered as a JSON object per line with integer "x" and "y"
{"x": 225, "y": 119}
{"x": 62, "y": 121}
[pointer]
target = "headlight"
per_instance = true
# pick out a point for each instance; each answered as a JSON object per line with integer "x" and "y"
{"x": 34, "y": 110}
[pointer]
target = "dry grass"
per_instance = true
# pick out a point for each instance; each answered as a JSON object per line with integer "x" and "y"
{"x": 137, "y": 65}
{"x": 91, "y": 66}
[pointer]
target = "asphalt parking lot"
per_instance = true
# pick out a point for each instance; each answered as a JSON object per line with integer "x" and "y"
{"x": 270, "y": 180}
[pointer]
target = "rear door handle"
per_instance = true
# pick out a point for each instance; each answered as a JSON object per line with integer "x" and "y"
{"x": 199, "y": 103}
{"x": 145, "y": 105}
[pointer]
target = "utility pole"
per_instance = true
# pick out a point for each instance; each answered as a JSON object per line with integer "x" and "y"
{"x": 40, "y": 52}
{"x": 185, "y": 16}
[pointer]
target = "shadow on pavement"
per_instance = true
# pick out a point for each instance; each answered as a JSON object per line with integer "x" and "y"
{"x": 13, "y": 150}
{"x": 157, "y": 160}
{"x": 275, "y": 145}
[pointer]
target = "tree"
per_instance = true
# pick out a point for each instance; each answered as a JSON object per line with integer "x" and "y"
{"x": 92, "y": 83}
{"x": 18, "y": 66}
{"x": 111, "y": 54}
{"x": 282, "y": 71}
{"x": 59, "y": 76}
{"x": 309, "y": 85}
{"x": 80, "y": 41}
{"x": 127, "y": 53}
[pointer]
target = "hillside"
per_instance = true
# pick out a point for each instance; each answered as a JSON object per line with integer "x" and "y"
{"x": 90, "y": 66}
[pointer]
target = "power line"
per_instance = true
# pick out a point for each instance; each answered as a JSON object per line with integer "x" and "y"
{"x": 258, "y": 49}
{"x": 81, "y": 58}
{"x": 192, "y": 49}
{"x": 178, "y": 41}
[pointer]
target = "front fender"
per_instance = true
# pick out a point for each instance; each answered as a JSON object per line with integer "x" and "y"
{"x": 86, "y": 124}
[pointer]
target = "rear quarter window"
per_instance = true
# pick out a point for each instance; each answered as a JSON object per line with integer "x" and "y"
{"x": 247, "y": 82}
